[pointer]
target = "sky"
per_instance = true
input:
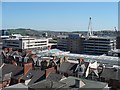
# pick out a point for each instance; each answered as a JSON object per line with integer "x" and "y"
{"x": 60, "y": 16}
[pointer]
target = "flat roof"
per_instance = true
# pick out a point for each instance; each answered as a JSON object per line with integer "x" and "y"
{"x": 99, "y": 58}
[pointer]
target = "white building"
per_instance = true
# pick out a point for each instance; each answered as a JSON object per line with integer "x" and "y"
{"x": 19, "y": 42}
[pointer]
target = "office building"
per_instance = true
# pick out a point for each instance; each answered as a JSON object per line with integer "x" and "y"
{"x": 19, "y": 42}
{"x": 76, "y": 43}
{"x": 62, "y": 43}
{"x": 98, "y": 45}
{"x": 118, "y": 42}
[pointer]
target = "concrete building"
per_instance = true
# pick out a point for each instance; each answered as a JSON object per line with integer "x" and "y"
{"x": 118, "y": 42}
{"x": 98, "y": 45}
{"x": 76, "y": 43}
{"x": 19, "y": 42}
{"x": 62, "y": 43}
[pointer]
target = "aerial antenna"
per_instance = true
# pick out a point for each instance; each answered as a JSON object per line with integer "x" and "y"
{"x": 90, "y": 33}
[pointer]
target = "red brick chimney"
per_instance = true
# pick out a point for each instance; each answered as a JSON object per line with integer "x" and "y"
{"x": 27, "y": 67}
{"x": 10, "y": 50}
{"x": 14, "y": 62}
{"x": 49, "y": 70}
{"x": 81, "y": 60}
{"x": 28, "y": 52}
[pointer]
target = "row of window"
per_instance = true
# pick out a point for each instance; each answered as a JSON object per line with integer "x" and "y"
{"x": 12, "y": 42}
{"x": 36, "y": 45}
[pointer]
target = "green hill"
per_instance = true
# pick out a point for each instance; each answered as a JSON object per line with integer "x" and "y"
{"x": 24, "y": 32}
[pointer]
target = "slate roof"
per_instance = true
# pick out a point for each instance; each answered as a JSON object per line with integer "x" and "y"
{"x": 55, "y": 77}
{"x": 70, "y": 68}
{"x": 35, "y": 76}
{"x": 70, "y": 81}
{"x": 111, "y": 73}
{"x": 47, "y": 84}
{"x": 19, "y": 86}
{"x": 67, "y": 67}
{"x": 8, "y": 68}
{"x": 68, "y": 84}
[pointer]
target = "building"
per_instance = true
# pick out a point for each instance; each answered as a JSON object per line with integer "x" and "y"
{"x": 19, "y": 42}
{"x": 118, "y": 42}
{"x": 5, "y": 33}
{"x": 62, "y": 43}
{"x": 76, "y": 43}
{"x": 70, "y": 83}
{"x": 98, "y": 45}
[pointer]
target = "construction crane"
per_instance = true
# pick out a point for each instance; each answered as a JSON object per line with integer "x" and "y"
{"x": 90, "y": 33}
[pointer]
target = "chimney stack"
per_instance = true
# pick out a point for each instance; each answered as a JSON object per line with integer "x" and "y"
{"x": 27, "y": 68}
{"x": 81, "y": 60}
{"x": 10, "y": 50}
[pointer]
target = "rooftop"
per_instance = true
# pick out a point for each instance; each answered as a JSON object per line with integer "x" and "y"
{"x": 17, "y": 87}
{"x": 70, "y": 81}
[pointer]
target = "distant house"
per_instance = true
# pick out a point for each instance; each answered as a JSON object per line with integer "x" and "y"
{"x": 8, "y": 71}
{"x": 79, "y": 70}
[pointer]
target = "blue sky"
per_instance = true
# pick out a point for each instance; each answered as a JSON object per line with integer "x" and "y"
{"x": 63, "y": 16}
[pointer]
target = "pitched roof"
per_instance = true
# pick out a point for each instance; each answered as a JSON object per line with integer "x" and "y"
{"x": 34, "y": 75}
{"x": 70, "y": 68}
{"x": 18, "y": 86}
{"x": 47, "y": 84}
{"x": 70, "y": 81}
{"x": 55, "y": 77}
{"x": 67, "y": 67}
{"x": 111, "y": 73}
{"x": 8, "y": 68}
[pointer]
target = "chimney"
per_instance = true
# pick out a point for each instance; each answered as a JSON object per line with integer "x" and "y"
{"x": 33, "y": 56}
{"x": 27, "y": 67}
{"x": 14, "y": 62}
{"x": 27, "y": 52}
{"x": 79, "y": 83}
{"x": 10, "y": 50}
{"x": 5, "y": 50}
{"x": 81, "y": 60}
{"x": 48, "y": 71}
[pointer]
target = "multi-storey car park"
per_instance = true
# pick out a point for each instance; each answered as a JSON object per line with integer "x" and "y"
{"x": 25, "y": 42}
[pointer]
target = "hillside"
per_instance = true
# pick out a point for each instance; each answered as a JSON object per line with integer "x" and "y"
{"x": 24, "y": 32}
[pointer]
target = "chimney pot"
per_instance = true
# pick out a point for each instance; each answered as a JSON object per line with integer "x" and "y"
{"x": 27, "y": 67}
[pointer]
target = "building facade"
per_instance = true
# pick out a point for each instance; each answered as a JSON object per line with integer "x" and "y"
{"x": 62, "y": 43}
{"x": 118, "y": 42}
{"x": 98, "y": 45}
{"x": 25, "y": 42}
{"x": 76, "y": 43}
